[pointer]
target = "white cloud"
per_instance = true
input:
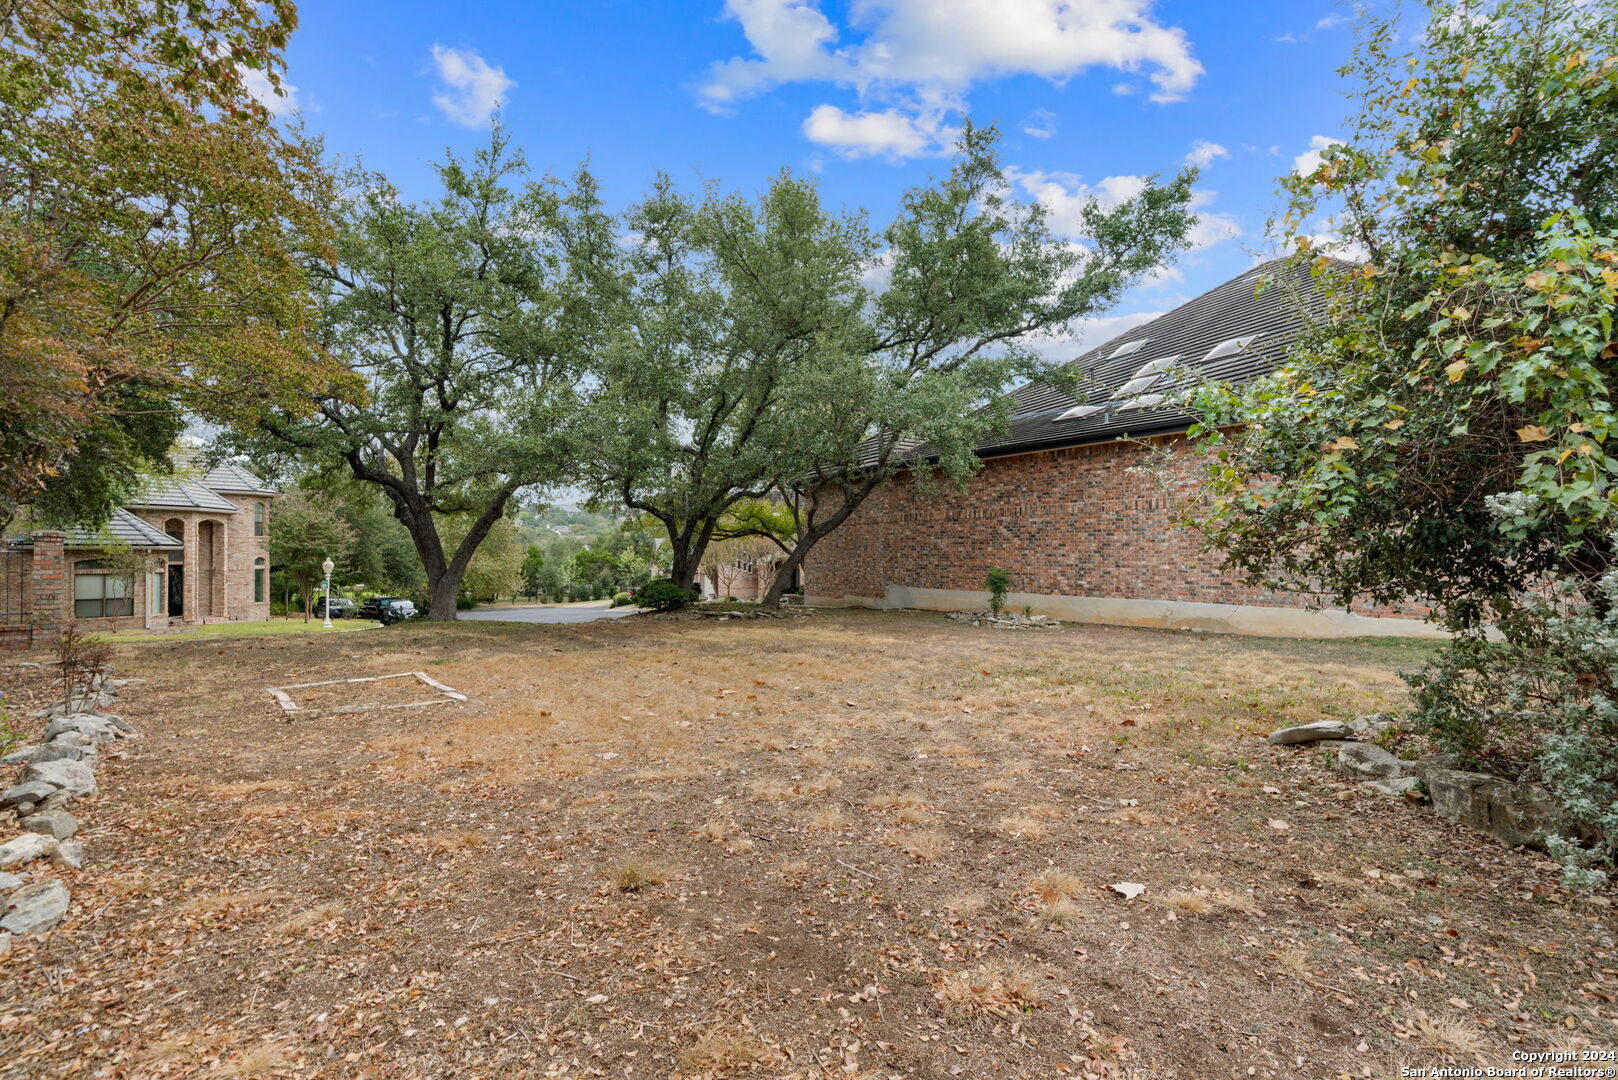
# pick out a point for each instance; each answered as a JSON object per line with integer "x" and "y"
{"x": 889, "y": 133}
{"x": 1041, "y": 125}
{"x": 1331, "y": 21}
{"x": 1204, "y": 152}
{"x": 1086, "y": 334}
{"x": 1065, "y": 195}
{"x": 472, "y": 88}
{"x": 923, "y": 56}
{"x": 263, "y": 91}
{"x": 1210, "y": 228}
{"x": 1307, "y": 162}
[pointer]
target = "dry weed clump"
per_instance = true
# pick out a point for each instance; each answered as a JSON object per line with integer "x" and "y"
{"x": 636, "y": 874}
{"x": 260, "y": 1060}
{"x": 241, "y": 788}
{"x": 1060, "y": 912}
{"x": 219, "y": 903}
{"x": 721, "y": 1050}
{"x": 1191, "y": 901}
{"x": 1451, "y": 1035}
{"x": 454, "y": 840}
{"x": 997, "y": 987}
{"x": 829, "y": 818}
{"x": 924, "y": 844}
{"x": 1053, "y": 885}
{"x": 308, "y": 918}
{"x": 965, "y": 905}
{"x": 1023, "y": 827}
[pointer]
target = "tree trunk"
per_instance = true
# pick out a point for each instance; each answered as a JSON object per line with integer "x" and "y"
{"x": 814, "y": 534}
{"x": 783, "y": 574}
{"x": 441, "y": 595}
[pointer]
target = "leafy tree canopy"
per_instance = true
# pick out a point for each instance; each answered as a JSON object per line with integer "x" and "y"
{"x": 148, "y": 214}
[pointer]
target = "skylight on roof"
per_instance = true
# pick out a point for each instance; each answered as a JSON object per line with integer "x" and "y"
{"x": 1144, "y": 401}
{"x": 1081, "y": 411}
{"x": 1230, "y": 347}
{"x": 1149, "y": 375}
{"x": 1129, "y": 348}
{"x": 1154, "y": 367}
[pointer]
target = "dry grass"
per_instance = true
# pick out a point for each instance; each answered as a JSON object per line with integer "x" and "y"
{"x": 260, "y": 1060}
{"x": 309, "y": 918}
{"x": 633, "y": 875}
{"x": 1023, "y": 827}
{"x": 720, "y": 1051}
{"x": 1052, "y": 885}
{"x": 1452, "y": 1036}
{"x": 219, "y": 903}
{"x": 924, "y": 844}
{"x": 1060, "y": 912}
{"x": 843, "y": 871}
{"x": 828, "y": 818}
{"x": 237, "y": 789}
{"x": 998, "y": 987}
{"x": 1190, "y": 901}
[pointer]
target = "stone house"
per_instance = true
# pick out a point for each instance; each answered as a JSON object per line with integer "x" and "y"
{"x": 188, "y": 549}
{"x": 1077, "y": 500}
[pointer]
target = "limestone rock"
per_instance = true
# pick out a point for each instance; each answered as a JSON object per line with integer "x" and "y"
{"x": 93, "y": 726}
{"x": 1515, "y": 814}
{"x": 25, "y": 849}
{"x": 58, "y": 750}
{"x": 1393, "y": 785}
{"x": 5, "y": 944}
{"x": 19, "y": 757}
{"x": 31, "y": 791}
{"x": 1368, "y": 762}
{"x": 35, "y": 908}
{"x": 1307, "y": 733}
{"x": 57, "y": 823}
{"x": 74, "y": 777}
{"x": 10, "y": 881}
{"x": 69, "y": 854}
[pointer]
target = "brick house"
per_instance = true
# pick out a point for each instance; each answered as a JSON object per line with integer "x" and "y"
{"x": 1077, "y": 500}
{"x": 187, "y": 549}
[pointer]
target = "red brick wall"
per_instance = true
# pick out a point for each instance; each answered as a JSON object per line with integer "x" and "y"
{"x": 1081, "y": 521}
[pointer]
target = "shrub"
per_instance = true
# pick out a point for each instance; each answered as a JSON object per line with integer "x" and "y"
{"x": 662, "y": 595}
{"x": 622, "y": 599}
{"x": 465, "y": 603}
{"x": 998, "y": 582}
{"x": 1540, "y": 705}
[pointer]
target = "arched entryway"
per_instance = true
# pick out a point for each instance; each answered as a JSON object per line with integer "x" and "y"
{"x": 208, "y": 590}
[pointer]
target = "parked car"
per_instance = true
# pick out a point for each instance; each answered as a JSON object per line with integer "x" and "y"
{"x": 396, "y": 611}
{"x": 341, "y": 608}
{"x": 372, "y": 608}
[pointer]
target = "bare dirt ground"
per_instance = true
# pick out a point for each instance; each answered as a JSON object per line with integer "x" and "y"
{"x": 852, "y": 845}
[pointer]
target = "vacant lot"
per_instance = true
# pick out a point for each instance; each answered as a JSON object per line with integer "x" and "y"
{"x": 846, "y": 845}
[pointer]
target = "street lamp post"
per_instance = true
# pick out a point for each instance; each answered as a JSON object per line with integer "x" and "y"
{"x": 328, "y": 566}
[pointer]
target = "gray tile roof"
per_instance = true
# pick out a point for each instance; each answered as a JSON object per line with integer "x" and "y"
{"x": 1276, "y": 316}
{"x": 231, "y": 477}
{"x": 179, "y": 493}
{"x": 125, "y": 528}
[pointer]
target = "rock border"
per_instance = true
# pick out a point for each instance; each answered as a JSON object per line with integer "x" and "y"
{"x": 1519, "y": 815}
{"x": 1006, "y": 620}
{"x": 56, "y": 772}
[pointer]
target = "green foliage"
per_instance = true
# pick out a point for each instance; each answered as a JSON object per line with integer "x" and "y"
{"x": 460, "y": 324}
{"x": 1442, "y": 433}
{"x": 622, "y": 599}
{"x": 662, "y": 595}
{"x": 1540, "y": 703}
{"x": 149, "y": 215}
{"x": 496, "y": 568}
{"x": 532, "y": 570}
{"x": 305, "y": 531}
{"x": 998, "y": 582}
{"x": 755, "y": 351}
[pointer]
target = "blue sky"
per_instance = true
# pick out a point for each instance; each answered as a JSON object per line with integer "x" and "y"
{"x": 1090, "y": 94}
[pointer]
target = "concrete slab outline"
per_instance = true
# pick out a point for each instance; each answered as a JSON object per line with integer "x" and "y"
{"x": 446, "y": 694}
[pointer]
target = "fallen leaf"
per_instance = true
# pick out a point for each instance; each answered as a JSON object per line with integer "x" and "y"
{"x": 1127, "y": 889}
{"x": 1532, "y": 433}
{"x": 1278, "y": 825}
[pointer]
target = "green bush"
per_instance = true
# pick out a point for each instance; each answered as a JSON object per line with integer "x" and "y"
{"x": 662, "y": 595}
{"x": 998, "y": 582}
{"x": 465, "y": 603}
{"x": 622, "y": 599}
{"x": 1540, "y": 706}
